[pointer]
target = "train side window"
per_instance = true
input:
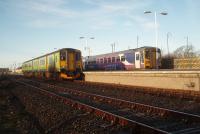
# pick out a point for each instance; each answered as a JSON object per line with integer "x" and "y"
{"x": 42, "y": 62}
{"x": 101, "y": 61}
{"x": 113, "y": 59}
{"x": 123, "y": 58}
{"x": 109, "y": 60}
{"x": 50, "y": 60}
{"x": 118, "y": 59}
{"x": 137, "y": 57}
{"x": 105, "y": 60}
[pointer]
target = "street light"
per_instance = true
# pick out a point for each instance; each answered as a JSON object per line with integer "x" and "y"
{"x": 168, "y": 34}
{"x": 137, "y": 40}
{"x": 113, "y": 47}
{"x": 156, "y": 28}
{"x": 86, "y": 42}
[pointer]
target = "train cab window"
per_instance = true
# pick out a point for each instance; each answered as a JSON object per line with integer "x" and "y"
{"x": 123, "y": 58}
{"x": 137, "y": 57}
{"x": 78, "y": 56}
{"x": 63, "y": 55}
{"x": 109, "y": 60}
{"x": 118, "y": 59}
{"x": 113, "y": 59}
{"x": 147, "y": 54}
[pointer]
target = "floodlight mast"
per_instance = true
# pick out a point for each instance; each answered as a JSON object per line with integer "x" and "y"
{"x": 156, "y": 30}
{"x": 86, "y": 43}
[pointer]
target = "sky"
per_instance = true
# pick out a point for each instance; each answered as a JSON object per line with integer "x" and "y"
{"x": 31, "y": 28}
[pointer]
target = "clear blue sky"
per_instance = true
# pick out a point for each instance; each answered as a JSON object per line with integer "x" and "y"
{"x": 30, "y": 28}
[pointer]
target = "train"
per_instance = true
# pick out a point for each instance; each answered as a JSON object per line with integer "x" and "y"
{"x": 64, "y": 63}
{"x": 146, "y": 57}
{"x": 4, "y": 71}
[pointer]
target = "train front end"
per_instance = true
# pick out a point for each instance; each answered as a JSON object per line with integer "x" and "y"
{"x": 71, "y": 64}
{"x": 152, "y": 58}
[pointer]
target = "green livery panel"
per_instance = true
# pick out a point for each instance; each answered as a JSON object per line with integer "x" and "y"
{"x": 42, "y": 64}
{"x": 57, "y": 61}
{"x": 35, "y": 64}
{"x": 64, "y": 63}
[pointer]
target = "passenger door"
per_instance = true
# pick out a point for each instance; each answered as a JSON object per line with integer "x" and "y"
{"x": 137, "y": 59}
{"x": 71, "y": 61}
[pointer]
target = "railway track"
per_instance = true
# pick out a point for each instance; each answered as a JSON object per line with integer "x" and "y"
{"x": 185, "y": 101}
{"x": 56, "y": 117}
{"x": 141, "y": 118}
{"x": 169, "y": 100}
{"x": 173, "y": 93}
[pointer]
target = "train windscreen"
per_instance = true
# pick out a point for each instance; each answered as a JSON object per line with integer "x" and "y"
{"x": 147, "y": 54}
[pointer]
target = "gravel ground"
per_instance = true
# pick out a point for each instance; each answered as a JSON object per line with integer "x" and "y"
{"x": 13, "y": 116}
{"x": 189, "y": 106}
{"x": 24, "y": 110}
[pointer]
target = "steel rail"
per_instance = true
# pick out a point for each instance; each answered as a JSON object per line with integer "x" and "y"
{"x": 115, "y": 119}
{"x": 129, "y": 104}
{"x": 178, "y": 93}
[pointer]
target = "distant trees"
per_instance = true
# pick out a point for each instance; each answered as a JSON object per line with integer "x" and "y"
{"x": 186, "y": 51}
{"x": 184, "y": 57}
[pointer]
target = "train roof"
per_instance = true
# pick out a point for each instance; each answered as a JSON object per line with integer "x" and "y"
{"x": 51, "y": 53}
{"x": 124, "y": 51}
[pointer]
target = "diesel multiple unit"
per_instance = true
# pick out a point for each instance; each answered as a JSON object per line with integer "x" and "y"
{"x": 139, "y": 58}
{"x": 65, "y": 63}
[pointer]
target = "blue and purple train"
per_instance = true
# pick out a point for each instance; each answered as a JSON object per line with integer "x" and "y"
{"x": 132, "y": 59}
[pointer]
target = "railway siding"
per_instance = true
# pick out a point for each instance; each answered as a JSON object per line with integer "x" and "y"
{"x": 183, "y": 80}
{"x": 174, "y": 121}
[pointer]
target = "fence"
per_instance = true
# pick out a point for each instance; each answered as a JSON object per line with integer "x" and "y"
{"x": 187, "y": 63}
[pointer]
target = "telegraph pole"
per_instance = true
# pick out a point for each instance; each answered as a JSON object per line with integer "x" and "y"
{"x": 112, "y": 47}
{"x": 137, "y": 40}
{"x": 187, "y": 47}
{"x": 168, "y": 34}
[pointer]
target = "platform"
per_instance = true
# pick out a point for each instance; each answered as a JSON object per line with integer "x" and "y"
{"x": 185, "y": 80}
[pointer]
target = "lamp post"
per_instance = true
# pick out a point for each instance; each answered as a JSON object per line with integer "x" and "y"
{"x": 156, "y": 29}
{"x": 86, "y": 43}
{"x": 168, "y": 34}
{"x": 137, "y": 40}
{"x": 113, "y": 47}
